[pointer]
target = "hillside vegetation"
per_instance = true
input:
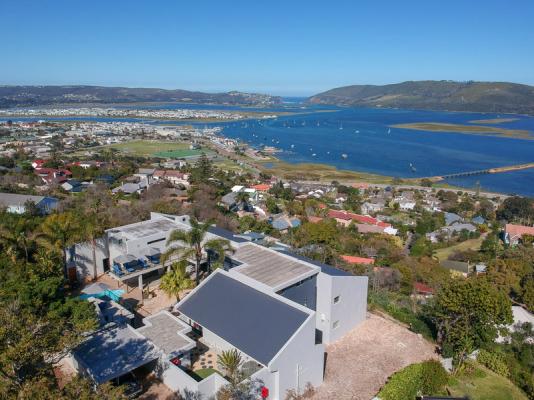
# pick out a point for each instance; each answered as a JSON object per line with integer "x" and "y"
{"x": 435, "y": 95}
{"x": 20, "y": 96}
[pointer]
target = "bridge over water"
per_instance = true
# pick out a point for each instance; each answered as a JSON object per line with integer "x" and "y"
{"x": 497, "y": 170}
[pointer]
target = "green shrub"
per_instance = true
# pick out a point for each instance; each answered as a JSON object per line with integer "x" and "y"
{"x": 494, "y": 362}
{"x": 434, "y": 377}
{"x": 427, "y": 377}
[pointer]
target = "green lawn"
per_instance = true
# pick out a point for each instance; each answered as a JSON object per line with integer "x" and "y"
{"x": 205, "y": 372}
{"x": 471, "y": 244}
{"x": 147, "y": 148}
{"x": 485, "y": 385}
{"x": 177, "y": 153}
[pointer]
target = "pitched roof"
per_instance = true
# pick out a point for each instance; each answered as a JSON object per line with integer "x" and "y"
{"x": 358, "y": 260}
{"x": 262, "y": 187}
{"x": 422, "y": 288}
{"x": 254, "y": 322}
{"x": 516, "y": 231}
{"x": 364, "y": 219}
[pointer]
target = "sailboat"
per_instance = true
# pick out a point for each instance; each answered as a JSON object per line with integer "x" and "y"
{"x": 413, "y": 168}
{"x": 344, "y": 155}
{"x": 389, "y": 131}
{"x": 340, "y": 127}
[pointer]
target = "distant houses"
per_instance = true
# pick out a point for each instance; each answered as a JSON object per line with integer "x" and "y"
{"x": 18, "y": 203}
{"x": 364, "y": 223}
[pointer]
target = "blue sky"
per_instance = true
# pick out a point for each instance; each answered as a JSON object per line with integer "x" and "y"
{"x": 282, "y": 47}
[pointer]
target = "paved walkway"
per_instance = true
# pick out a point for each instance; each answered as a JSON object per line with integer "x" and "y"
{"x": 360, "y": 363}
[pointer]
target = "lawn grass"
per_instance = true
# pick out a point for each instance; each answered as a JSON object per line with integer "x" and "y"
{"x": 205, "y": 372}
{"x": 319, "y": 172}
{"x": 482, "y": 384}
{"x": 157, "y": 148}
{"x": 471, "y": 244}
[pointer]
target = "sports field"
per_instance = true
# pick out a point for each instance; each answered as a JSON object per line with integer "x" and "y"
{"x": 157, "y": 148}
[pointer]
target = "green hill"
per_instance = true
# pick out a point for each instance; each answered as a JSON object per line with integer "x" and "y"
{"x": 499, "y": 97}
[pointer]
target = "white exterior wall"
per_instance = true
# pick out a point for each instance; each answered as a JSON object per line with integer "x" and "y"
{"x": 299, "y": 362}
{"x": 83, "y": 258}
{"x": 178, "y": 380}
{"x": 348, "y": 312}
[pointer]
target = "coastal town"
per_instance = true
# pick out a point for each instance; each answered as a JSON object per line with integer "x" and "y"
{"x": 319, "y": 265}
{"x": 266, "y": 201}
{"x": 112, "y": 112}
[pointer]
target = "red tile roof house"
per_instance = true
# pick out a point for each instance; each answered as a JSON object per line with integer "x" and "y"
{"x": 514, "y": 233}
{"x": 358, "y": 260}
{"x": 423, "y": 290}
{"x": 52, "y": 175}
{"x": 364, "y": 223}
{"x": 262, "y": 187}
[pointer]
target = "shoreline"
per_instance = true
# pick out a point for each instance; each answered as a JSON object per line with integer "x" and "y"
{"x": 466, "y": 130}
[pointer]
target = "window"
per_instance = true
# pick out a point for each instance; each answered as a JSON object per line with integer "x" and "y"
{"x": 335, "y": 325}
{"x": 336, "y": 299}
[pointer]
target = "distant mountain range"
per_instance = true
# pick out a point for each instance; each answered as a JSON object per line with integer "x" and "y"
{"x": 499, "y": 97}
{"x": 29, "y": 96}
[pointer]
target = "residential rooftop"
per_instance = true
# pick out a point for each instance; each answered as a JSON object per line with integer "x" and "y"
{"x": 167, "y": 333}
{"x": 113, "y": 352}
{"x": 146, "y": 228}
{"x": 257, "y": 323}
{"x": 270, "y": 267}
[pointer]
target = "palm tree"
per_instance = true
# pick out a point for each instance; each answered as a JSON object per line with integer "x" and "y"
{"x": 230, "y": 361}
{"x": 17, "y": 238}
{"x": 91, "y": 230}
{"x": 59, "y": 231}
{"x": 176, "y": 280}
{"x": 195, "y": 245}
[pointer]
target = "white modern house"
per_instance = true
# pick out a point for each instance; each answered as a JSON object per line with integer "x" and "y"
{"x": 277, "y": 309}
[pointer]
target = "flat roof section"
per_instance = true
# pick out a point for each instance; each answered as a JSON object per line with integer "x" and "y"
{"x": 146, "y": 228}
{"x": 164, "y": 331}
{"x": 111, "y": 353}
{"x": 270, "y": 267}
{"x": 252, "y": 321}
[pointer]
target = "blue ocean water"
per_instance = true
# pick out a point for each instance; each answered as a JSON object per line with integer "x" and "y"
{"x": 323, "y": 134}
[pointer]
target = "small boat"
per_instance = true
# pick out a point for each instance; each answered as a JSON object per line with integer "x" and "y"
{"x": 412, "y": 168}
{"x": 327, "y": 152}
{"x": 344, "y": 155}
{"x": 389, "y": 131}
{"x": 341, "y": 127}
{"x": 313, "y": 155}
{"x": 292, "y": 146}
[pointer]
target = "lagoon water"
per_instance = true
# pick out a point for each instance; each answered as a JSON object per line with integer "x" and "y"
{"x": 371, "y": 146}
{"x": 321, "y": 134}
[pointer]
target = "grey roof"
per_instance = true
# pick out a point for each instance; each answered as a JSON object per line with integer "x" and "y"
{"x": 325, "y": 268}
{"x": 12, "y": 199}
{"x": 146, "y": 228}
{"x": 451, "y": 217}
{"x": 270, "y": 267}
{"x": 226, "y": 234}
{"x": 254, "y": 322}
{"x": 460, "y": 266}
{"x": 111, "y": 353}
{"x": 229, "y": 198}
{"x": 167, "y": 333}
{"x": 146, "y": 171}
{"x": 127, "y": 188}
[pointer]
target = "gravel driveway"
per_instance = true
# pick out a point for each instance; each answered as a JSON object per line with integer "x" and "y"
{"x": 359, "y": 364}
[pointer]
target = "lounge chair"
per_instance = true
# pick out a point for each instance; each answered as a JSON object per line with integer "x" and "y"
{"x": 129, "y": 267}
{"x": 117, "y": 270}
{"x": 143, "y": 263}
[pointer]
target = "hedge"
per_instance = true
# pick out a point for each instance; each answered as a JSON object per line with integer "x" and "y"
{"x": 425, "y": 378}
{"x": 494, "y": 362}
